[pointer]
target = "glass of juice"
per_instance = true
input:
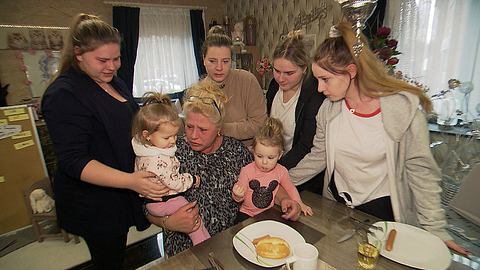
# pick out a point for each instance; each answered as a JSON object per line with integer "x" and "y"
{"x": 368, "y": 249}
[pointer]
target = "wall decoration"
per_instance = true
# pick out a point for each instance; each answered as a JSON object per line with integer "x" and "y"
{"x": 17, "y": 41}
{"x": 40, "y": 66}
{"x": 20, "y": 43}
{"x": 24, "y": 37}
{"x": 38, "y": 41}
{"x": 275, "y": 18}
{"x": 302, "y": 19}
{"x": 55, "y": 39}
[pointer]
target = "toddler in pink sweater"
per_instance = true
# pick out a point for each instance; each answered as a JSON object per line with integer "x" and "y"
{"x": 259, "y": 181}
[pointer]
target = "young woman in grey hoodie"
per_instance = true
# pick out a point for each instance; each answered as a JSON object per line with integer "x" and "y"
{"x": 372, "y": 139}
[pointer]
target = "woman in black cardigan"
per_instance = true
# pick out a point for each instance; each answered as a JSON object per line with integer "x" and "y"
{"x": 296, "y": 104}
{"x": 88, "y": 111}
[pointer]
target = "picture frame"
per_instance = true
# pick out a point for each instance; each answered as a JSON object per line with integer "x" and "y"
{"x": 41, "y": 67}
{"x": 28, "y": 37}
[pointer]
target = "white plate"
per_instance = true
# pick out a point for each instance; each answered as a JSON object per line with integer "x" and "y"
{"x": 414, "y": 247}
{"x": 242, "y": 241}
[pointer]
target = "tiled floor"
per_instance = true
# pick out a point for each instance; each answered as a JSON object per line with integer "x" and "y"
{"x": 143, "y": 247}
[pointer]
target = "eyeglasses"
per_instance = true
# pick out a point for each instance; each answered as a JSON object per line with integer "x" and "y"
{"x": 205, "y": 100}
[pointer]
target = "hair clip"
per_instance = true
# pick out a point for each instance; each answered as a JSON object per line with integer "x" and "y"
{"x": 334, "y": 32}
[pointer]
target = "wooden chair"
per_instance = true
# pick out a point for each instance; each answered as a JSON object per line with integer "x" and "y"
{"x": 39, "y": 218}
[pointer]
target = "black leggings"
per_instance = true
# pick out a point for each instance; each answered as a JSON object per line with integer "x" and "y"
{"x": 107, "y": 251}
{"x": 380, "y": 207}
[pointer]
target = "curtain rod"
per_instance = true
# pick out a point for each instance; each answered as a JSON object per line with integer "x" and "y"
{"x": 134, "y": 4}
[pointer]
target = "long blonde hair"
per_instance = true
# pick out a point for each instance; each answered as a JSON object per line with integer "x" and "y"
{"x": 205, "y": 97}
{"x": 156, "y": 111}
{"x": 336, "y": 53}
{"x": 270, "y": 134}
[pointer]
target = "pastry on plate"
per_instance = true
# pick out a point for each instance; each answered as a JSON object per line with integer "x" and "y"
{"x": 271, "y": 247}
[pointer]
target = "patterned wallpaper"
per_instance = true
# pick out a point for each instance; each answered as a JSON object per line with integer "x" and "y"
{"x": 277, "y": 17}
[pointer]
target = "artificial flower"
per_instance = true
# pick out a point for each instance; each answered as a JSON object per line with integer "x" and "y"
{"x": 385, "y": 48}
{"x": 263, "y": 66}
{"x": 384, "y": 53}
{"x": 392, "y": 61}
{"x": 392, "y": 43}
{"x": 383, "y": 32}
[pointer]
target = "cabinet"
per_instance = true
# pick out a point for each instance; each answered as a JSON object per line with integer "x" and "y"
{"x": 244, "y": 61}
{"x": 247, "y": 59}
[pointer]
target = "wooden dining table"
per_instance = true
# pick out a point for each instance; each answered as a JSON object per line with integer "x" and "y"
{"x": 331, "y": 221}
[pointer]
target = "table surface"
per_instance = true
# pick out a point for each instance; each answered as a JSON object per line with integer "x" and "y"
{"x": 323, "y": 229}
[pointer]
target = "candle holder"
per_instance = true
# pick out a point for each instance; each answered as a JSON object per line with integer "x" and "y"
{"x": 357, "y": 12}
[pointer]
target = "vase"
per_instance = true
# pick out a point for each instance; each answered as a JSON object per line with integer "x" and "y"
{"x": 250, "y": 31}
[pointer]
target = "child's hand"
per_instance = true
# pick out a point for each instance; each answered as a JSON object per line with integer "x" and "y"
{"x": 197, "y": 181}
{"x": 306, "y": 210}
{"x": 238, "y": 193}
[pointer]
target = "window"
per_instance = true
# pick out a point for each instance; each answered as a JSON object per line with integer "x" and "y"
{"x": 439, "y": 40}
{"x": 165, "y": 55}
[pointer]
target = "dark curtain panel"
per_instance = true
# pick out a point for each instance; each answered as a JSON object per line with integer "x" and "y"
{"x": 376, "y": 20}
{"x": 126, "y": 20}
{"x": 198, "y": 35}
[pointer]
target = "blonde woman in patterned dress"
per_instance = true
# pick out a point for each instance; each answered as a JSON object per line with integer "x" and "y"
{"x": 217, "y": 159}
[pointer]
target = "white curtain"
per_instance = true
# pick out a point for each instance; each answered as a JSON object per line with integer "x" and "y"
{"x": 165, "y": 56}
{"x": 439, "y": 40}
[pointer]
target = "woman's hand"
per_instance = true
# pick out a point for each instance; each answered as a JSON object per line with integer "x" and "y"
{"x": 457, "y": 248}
{"x": 143, "y": 183}
{"x": 185, "y": 220}
{"x": 290, "y": 208}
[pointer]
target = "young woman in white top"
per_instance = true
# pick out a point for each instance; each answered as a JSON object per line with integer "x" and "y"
{"x": 292, "y": 97}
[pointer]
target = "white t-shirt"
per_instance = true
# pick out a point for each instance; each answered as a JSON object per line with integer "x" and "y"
{"x": 360, "y": 157}
{"x": 285, "y": 112}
